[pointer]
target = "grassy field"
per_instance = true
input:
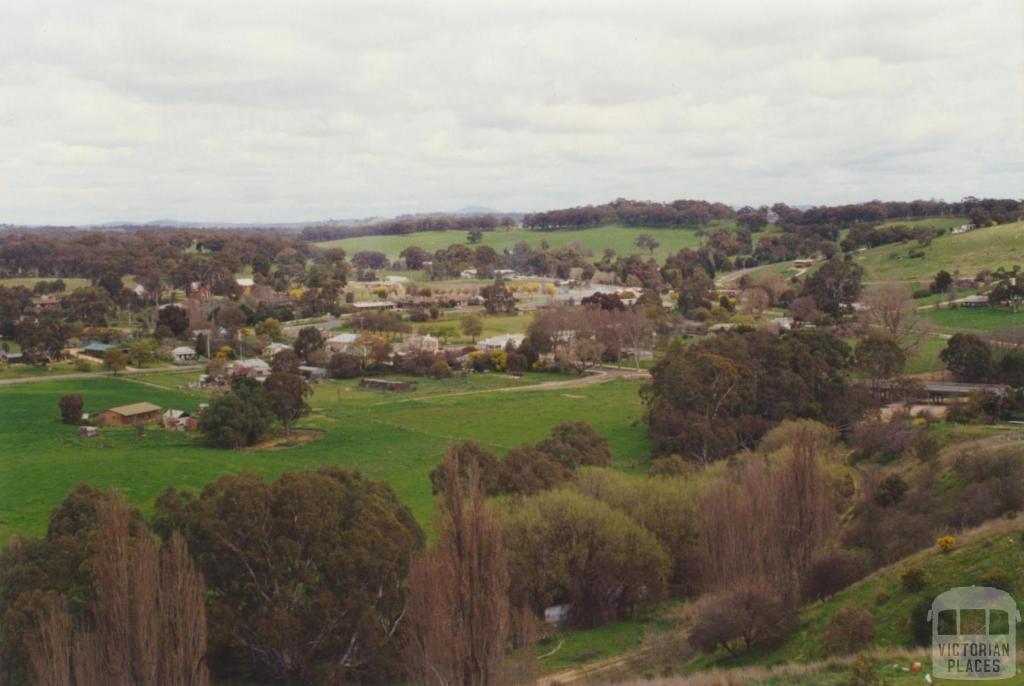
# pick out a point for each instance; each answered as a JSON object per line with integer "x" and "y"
{"x": 973, "y": 319}
{"x": 70, "y": 283}
{"x": 22, "y": 371}
{"x": 967, "y": 254}
{"x": 926, "y": 358}
{"x": 930, "y": 222}
{"x": 396, "y": 437}
{"x": 618, "y": 238}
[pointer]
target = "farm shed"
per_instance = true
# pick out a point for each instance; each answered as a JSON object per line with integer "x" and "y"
{"x": 386, "y": 385}
{"x": 129, "y": 415}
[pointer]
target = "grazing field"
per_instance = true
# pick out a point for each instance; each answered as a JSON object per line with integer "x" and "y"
{"x": 966, "y": 254}
{"x": 397, "y": 437}
{"x": 973, "y": 319}
{"x": 22, "y": 371}
{"x": 618, "y": 238}
{"x": 930, "y": 222}
{"x": 70, "y": 283}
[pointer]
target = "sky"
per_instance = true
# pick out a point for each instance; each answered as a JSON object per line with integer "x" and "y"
{"x": 299, "y": 110}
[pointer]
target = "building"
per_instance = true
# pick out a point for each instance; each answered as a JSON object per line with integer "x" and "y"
{"x": 254, "y": 368}
{"x": 179, "y": 420}
{"x": 245, "y": 283}
{"x": 387, "y": 385}
{"x": 346, "y": 343}
{"x": 501, "y": 341}
{"x": 371, "y": 305}
{"x": 426, "y": 343}
{"x": 974, "y": 301}
{"x": 7, "y": 357}
{"x": 136, "y": 414}
{"x": 312, "y": 373}
{"x": 88, "y": 431}
{"x": 98, "y": 350}
{"x": 468, "y": 274}
{"x": 275, "y": 348}
{"x": 46, "y": 302}
{"x": 183, "y": 354}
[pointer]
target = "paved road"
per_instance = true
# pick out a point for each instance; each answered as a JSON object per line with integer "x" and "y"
{"x": 98, "y": 375}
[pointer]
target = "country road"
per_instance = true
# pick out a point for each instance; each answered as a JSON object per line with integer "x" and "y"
{"x": 99, "y": 375}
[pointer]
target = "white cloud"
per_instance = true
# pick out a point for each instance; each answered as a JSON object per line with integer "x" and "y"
{"x": 263, "y": 111}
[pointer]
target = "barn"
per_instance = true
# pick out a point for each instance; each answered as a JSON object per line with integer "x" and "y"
{"x": 129, "y": 415}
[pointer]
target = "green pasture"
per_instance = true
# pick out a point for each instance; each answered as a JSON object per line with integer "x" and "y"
{"x": 973, "y": 319}
{"x": 965, "y": 254}
{"x": 618, "y": 238}
{"x": 398, "y": 437}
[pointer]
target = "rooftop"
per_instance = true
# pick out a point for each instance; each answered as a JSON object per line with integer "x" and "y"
{"x": 135, "y": 409}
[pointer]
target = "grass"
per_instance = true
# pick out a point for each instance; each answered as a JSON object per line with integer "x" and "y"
{"x": 929, "y": 222}
{"x": 23, "y": 371}
{"x": 968, "y": 319}
{"x": 966, "y": 254}
{"x": 398, "y": 437}
{"x": 70, "y": 283}
{"x": 926, "y": 359}
{"x": 583, "y": 646}
{"x": 597, "y": 239}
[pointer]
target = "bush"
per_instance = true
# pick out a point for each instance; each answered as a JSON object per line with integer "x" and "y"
{"x": 913, "y": 580}
{"x": 945, "y": 543}
{"x": 440, "y": 370}
{"x": 82, "y": 365}
{"x": 850, "y": 631}
{"x": 926, "y": 445}
{"x": 673, "y": 465}
{"x": 740, "y": 619}
{"x": 891, "y": 491}
{"x": 832, "y": 574}
{"x": 344, "y": 366}
{"x": 70, "y": 408}
{"x": 864, "y": 673}
{"x": 920, "y": 627}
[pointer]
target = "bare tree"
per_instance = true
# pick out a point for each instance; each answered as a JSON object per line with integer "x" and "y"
{"x": 458, "y": 592}
{"x": 891, "y": 307}
{"x": 147, "y": 624}
{"x": 766, "y": 524}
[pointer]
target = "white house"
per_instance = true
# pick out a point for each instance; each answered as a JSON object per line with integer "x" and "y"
{"x": 501, "y": 341}
{"x": 468, "y": 273}
{"x": 245, "y": 282}
{"x": 275, "y": 348}
{"x": 346, "y": 343}
{"x": 253, "y": 367}
{"x": 426, "y": 343}
{"x": 182, "y": 354}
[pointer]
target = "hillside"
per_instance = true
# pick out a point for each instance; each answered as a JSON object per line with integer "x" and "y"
{"x": 618, "y": 238}
{"x": 966, "y": 254}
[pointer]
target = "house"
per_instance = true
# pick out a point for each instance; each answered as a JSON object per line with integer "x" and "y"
{"x": 254, "y": 368}
{"x": 88, "y": 431}
{"x": 506, "y": 273}
{"x": 556, "y": 614}
{"x": 386, "y": 385}
{"x": 371, "y": 305}
{"x": 183, "y": 354}
{"x": 501, "y": 341}
{"x": 275, "y": 348}
{"x": 804, "y": 263}
{"x": 346, "y": 343}
{"x": 136, "y": 414}
{"x": 8, "y": 357}
{"x": 139, "y": 290}
{"x": 245, "y": 283}
{"x": 98, "y": 350}
{"x": 312, "y": 373}
{"x": 974, "y": 301}
{"x": 179, "y": 420}
{"x": 397, "y": 280}
{"x": 468, "y": 274}
{"x": 46, "y": 302}
{"x": 784, "y": 323}
{"x": 426, "y": 343}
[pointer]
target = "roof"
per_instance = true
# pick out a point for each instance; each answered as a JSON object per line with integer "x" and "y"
{"x": 183, "y": 350}
{"x": 502, "y": 340}
{"x": 100, "y": 347}
{"x": 135, "y": 409}
{"x": 245, "y": 282}
{"x": 344, "y": 338}
{"x": 252, "y": 363}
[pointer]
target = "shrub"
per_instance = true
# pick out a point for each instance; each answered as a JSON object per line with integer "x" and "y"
{"x": 864, "y": 673}
{"x": 891, "y": 491}
{"x": 920, "y": 627}
{"x": 82, "y": 365}
{"x": 833, "y": 573}
{"x": 740, "y": 619}
{"x": 70, "y": 408}
{"x": 926, "y": 445}
{"x": 913, "y": 580}
{"x": 881, "y": 598}
{"x": 673, "y": 465}
{"x": 440, "y": 370}
{"x": 850, "y": 630}
{"x": 945, "y": 543}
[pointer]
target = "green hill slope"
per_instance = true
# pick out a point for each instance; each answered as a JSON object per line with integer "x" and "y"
{"x": 967, "y": 254}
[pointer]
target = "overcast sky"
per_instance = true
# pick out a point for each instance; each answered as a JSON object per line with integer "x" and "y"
{"x": 299, "y": 110}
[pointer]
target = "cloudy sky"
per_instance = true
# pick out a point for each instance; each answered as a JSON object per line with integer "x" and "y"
{"x": 294, "y": 110}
